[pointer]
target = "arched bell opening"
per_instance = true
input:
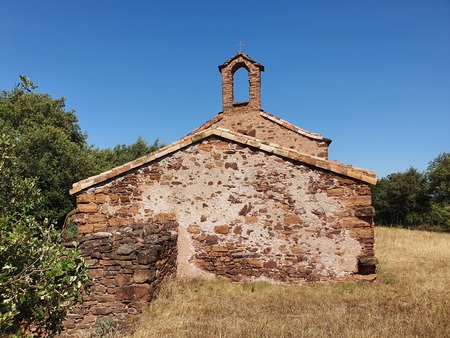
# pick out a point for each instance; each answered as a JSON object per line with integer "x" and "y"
{"x": 241, "y": 86}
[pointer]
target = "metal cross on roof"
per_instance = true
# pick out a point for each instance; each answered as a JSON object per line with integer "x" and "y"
{"x": 241, "y": 45}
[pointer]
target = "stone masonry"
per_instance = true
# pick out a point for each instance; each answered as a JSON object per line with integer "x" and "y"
{"x": 245, "y": 197}
{"x": 254, "y": 70}
{"x": 127, "y": 264}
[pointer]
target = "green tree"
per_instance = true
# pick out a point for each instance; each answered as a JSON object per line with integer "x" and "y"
{"x": 402, "y": 199}
{"x": 39, "y": 278}
{"x": 439, "y": 177}
{"x": 17, "y": 193}
{"x": 50, "y": 145}
{"x": 106, "y": 159}
{"x": 52, "y": 148}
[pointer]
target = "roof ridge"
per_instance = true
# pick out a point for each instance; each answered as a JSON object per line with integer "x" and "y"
{"x": 274, "y": 148}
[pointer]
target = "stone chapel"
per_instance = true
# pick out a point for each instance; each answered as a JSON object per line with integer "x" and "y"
{"x": 246, "y": 196}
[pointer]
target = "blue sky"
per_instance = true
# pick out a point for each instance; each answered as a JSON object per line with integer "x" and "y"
{"x": 374, "y": 76}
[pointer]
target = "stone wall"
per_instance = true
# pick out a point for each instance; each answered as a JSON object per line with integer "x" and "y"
{"x": 287, "y": 245}
{"x": 241, "y": 214}
{"x": 250, "y": 122}
{"x": 127, "y": 265}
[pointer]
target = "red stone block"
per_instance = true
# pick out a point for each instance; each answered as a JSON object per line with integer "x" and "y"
{"x": 193, "y": 229}
{"x": 161, "y": 218}
{"x": 270, "y": 264}
{"x": 87, "y": 208}
{"x": 292, "y": 219}
{"x": 222, "y": 229}
{"x": 133, "y": 292}
{"x": 357, "y": 200}
{"x": 251, "y": 219}
{"x": 205, "y": 146}
{"x": 85, "y": 198}
{"x": 219, "y": 248}
{"x": 95, "y": 273}
{"x": 85, "y": 229}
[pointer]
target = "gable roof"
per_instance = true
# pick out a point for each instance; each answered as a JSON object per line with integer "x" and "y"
{"x": 271, "y": 118}
{"x": 328, "y": 165}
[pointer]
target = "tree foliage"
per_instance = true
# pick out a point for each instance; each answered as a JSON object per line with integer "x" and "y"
{"x": 17, "y": 193}
{"x": 106, "y": 159}
{"x": 439, "y": 177}
{"x": 413, "y": 198}
{"x": 52, "y": 148}
{"x": 401, "y": 198}
{"x": 49, "y": 143}
{"x": 39, "y": 278}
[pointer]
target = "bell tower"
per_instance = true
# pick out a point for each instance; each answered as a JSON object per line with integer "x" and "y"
{"x": 254, "y": 69}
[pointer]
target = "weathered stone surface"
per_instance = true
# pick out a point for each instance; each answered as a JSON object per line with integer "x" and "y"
{"x": 142, "y": 276}
{"x": 222, "y": 229}
{"x": 126, "y": 249}
{"x": 292, "y": 219}
{"x": 219, "y": 248}
{"x": 87, "y": 208}
{"x": 120, "y": 285}
{"x": 95, "y": 273}
{"x": 350, "y": 222}
{"x": 364, "y": 200}
{"x": 85, "y": 198}
{"x": 232, "y": 215}
{"x": 95, "y": 218}
{"x": 205, "y": 146}
{"x": 165, "y": 217}
{"x": 335, "y": 192}
{"x": 146, "y": 256}
{"x": 368, "y": 211}
{"x": 133, "y": 292}
{"x": 232, "y": 165}
{"x": 85, "y": 228}
{"x": 256, "y": 263}
{"x": 270, "y": 264}
{"x": 297, "y": 249}
{"x": 251, "y": 219}
{"x": 194, "y": 229}
{"x": 362, "y": 233}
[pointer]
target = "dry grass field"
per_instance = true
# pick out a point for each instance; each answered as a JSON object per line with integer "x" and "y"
{"x": 410, "y": 299}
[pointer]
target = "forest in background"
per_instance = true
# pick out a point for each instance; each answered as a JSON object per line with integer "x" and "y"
{"x": 414, "y": 199}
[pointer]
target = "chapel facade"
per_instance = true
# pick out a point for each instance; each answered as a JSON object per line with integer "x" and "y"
{"x": 246, "y": 196}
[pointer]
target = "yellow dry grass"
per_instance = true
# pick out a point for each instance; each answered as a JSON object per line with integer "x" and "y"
{"x": 410, "y": 299}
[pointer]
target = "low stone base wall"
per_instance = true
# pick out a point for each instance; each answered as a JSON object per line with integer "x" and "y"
{"x": 126, "y": 267}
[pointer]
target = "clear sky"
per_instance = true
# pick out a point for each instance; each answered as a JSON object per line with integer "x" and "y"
{"x": 372, "y": 75}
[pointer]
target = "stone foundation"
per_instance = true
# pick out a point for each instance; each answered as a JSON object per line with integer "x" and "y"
{"x": 127, "y": 265}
